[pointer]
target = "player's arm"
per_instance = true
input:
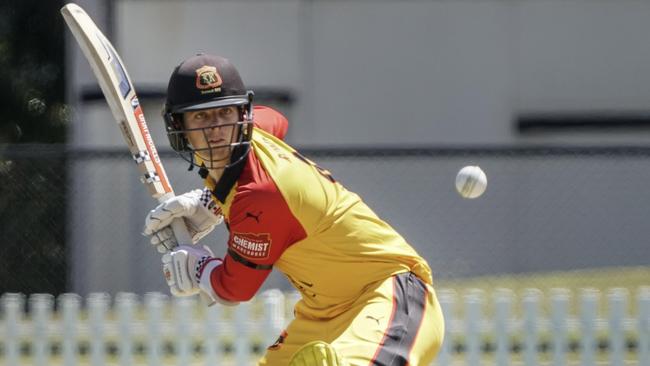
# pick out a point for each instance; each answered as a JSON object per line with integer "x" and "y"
{"x": 261, "y": 228}
{"x": 270, "y": 121}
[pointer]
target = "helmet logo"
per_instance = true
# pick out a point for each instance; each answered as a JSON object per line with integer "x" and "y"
{"x": 208, "y": 79}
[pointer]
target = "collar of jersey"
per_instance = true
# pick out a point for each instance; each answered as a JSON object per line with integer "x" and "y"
{"x": 222, "y": 188}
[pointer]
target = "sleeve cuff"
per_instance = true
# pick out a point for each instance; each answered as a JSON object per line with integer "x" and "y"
{"x": 205, "y": 285}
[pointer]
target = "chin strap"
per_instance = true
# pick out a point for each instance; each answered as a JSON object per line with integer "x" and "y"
{"x": 203, "y": 172}
{"x": 194, "y": 161}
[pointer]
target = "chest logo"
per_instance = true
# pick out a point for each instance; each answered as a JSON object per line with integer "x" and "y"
{"x": 251, "y": 245}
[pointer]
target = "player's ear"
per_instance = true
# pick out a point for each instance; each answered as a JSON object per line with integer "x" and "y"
{"x": 178, "y": 121}
{"x": 174, "y": 129}
{"x": 173, "y": 120}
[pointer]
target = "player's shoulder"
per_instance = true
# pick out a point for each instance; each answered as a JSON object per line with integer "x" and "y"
{"x": 266, "y": 111}
{"x": 262, "y": 113}
{"x": 256, "y": 196}
{"x": 255, "y": 185}
{"x": 270, "y": 120}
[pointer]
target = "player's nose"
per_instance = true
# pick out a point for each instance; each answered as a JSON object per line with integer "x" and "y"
{"x": 217, "y": 132}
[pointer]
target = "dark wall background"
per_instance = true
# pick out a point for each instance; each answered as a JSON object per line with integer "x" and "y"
{"x": 32, "y": 110}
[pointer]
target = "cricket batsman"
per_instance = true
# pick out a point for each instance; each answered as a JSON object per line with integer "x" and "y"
{"x": 367, "y": 296}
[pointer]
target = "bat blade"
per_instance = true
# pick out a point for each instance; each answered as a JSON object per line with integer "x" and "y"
{"x": 123, "y": 101}
{"x": 120, "y": 96}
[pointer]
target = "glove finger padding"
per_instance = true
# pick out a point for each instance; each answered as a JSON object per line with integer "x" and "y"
{"x": 176, "y": 274}
{"x": 206, "y": 216}
{"x": 166, "y": 212}
{"x": 164, "y": 240}
{"x": 180, "y": 268}
{"x": 197, "y": 208}
{"x": 168, "y": 271}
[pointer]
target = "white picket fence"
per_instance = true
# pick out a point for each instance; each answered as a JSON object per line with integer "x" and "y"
{"x": 498, "y": 328}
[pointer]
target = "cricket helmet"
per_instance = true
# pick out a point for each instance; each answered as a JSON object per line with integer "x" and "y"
{"x": 203, "y": 82}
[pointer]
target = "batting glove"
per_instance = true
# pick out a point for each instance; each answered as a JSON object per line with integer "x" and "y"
{"x": 200, "y": 212}
{"x": 184, "y": 266}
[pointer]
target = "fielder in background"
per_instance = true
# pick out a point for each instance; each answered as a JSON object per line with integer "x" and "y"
{"x": 367, "y": 296}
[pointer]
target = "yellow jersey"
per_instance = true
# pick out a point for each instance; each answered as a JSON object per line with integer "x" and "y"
{"x": 285, "y": 212}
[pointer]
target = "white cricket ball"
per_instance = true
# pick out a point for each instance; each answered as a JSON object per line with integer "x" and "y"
{"x": 471, "y": 181}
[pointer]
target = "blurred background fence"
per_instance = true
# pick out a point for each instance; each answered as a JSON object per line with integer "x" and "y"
{"x": 500, "y": 327}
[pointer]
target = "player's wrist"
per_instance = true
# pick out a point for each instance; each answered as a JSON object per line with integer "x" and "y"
{"x": 202, "y": 266}
{"x": 204, "y": 273}
{"x": 206, "y": 269}
{"x": 205, "y": 197}
{"x": 205, "y": 283}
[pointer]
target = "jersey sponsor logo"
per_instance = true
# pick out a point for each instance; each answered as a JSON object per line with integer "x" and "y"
{"x": 208, "y": 79}
{"x": 250, "y": 245}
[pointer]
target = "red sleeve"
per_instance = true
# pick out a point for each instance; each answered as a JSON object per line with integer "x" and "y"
{"x": 270, "y": 121}
{"x": 261, "y": 228}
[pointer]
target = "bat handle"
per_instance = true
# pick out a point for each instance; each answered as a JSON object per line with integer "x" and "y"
{"x": 183, "y": 238}
{"x": 181, "y": 233}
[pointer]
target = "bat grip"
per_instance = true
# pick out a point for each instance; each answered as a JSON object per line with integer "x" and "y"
{"x": 183, "y": 238}
{"x": 181, "y": 233}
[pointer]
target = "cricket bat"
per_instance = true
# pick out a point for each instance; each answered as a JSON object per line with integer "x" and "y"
{"x": 123, "y": 101}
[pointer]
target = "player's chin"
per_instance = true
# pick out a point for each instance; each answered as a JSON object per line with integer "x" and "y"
{"x": 216, "y": 160}
{"x": 214, "y": 153}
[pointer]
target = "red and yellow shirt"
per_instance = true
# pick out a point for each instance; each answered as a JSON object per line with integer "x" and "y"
{"x": 285, "y": 212}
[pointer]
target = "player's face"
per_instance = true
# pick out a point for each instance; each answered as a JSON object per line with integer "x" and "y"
{"x": 211, "y": 133}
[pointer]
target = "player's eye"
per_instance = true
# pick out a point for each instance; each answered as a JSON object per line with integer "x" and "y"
{"x": 225, "y": 112}
{"x": 205, "y": 118}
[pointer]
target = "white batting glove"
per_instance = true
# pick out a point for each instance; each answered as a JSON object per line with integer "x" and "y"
{"x": 200, "y": 212}
{"x": 184, "y": 266}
